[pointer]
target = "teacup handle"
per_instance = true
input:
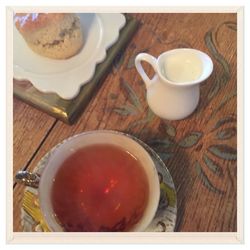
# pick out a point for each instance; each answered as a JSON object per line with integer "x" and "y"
{"x": 149, "y": 59}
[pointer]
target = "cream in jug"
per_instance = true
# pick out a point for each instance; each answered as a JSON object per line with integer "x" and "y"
{"x": 182, "y": 67}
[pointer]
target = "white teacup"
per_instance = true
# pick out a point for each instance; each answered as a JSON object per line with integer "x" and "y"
{"x": 64, "y": 150}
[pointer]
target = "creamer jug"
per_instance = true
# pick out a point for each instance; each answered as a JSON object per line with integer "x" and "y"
{"x": 173, "y": 92}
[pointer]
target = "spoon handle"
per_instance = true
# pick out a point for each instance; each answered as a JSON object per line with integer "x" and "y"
{"x": 27, "y": 178}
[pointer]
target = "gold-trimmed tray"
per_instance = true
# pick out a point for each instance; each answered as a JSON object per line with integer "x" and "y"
{"x": 69, "y": 110}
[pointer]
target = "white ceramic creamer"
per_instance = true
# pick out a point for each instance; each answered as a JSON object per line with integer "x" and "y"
{"x": 173, "y": 93}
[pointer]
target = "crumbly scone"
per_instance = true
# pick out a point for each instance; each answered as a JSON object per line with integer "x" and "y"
{"x": 53, "y": 35}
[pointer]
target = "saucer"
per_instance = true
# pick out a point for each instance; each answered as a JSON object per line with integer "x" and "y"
{"x": 165, "y": 217}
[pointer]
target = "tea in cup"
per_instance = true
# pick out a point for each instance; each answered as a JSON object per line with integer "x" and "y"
{"x": 99, "y": 181}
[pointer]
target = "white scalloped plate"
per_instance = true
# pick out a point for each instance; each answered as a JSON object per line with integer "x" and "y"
{"x": 65, "y": 77}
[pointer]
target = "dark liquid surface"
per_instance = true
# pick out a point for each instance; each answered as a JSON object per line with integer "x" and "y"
{"x": 100, "y": 188}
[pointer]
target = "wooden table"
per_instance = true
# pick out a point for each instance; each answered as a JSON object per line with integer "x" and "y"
{"x": 200, "y": 151}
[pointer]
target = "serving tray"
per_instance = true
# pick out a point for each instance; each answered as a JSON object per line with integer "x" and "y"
{"x": 68, "y": 110}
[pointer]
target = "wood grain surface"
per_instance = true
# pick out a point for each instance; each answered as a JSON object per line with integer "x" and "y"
{"x": 30, "y": 129}
{"x": 200, "y": 151}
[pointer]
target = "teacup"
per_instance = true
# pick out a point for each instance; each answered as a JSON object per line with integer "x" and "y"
{"x": 100, "y": 137}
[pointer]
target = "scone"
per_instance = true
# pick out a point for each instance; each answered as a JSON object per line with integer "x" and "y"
{"x": 53, "y": 35}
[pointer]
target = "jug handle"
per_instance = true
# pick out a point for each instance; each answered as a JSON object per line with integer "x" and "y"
{"x": 149, "y": 59}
